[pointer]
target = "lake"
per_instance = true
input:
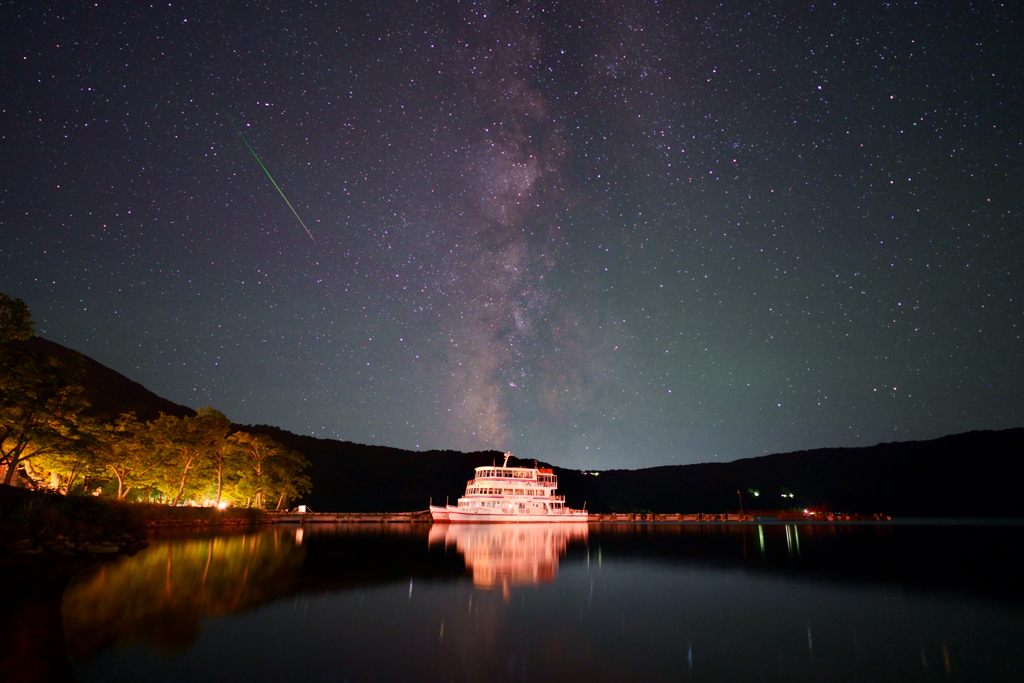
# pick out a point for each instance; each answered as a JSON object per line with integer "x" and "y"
{"x": 535, "y": 602}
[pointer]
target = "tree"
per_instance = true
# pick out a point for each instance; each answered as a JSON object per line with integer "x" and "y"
{"x": 193, "y": 445}
{"x": 15, "y": 320}
{"x": 40, "y": 396}
{"x": 180, "y": 444}
{"x": 288, "y": 480}
{"x": 40, "y": 405}
{"x": 63, "y": 467}
{"x": 125, "y": 451}
{"x": 216, "y": 430}
{"x": 270, "y": 469}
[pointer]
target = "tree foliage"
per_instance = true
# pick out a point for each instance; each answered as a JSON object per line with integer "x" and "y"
{"x": 40, "y": 406}
{"x": 125, "y": 452}
{"x": 15, "y": 320}
{"x": 198, "y": 459}
{"x": 270, "y": 471}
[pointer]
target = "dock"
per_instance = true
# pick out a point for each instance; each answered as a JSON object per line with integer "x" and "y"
{"x": 419, "y": 517}
{"x": 423, "y": 517}
{"x": 789, "y": 517}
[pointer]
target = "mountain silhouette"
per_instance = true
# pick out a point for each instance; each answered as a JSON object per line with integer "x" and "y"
{"x": 975, "y": 474}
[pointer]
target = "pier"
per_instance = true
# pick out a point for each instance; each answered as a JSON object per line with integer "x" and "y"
{"x": 419, "y": 517}
{"x": 423, "y": 517}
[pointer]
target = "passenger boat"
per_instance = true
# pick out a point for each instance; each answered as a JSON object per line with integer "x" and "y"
{"x": 439, "y": 512}
{"x": 509, "y": 494}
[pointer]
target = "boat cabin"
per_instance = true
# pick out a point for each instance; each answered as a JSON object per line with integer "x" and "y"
{"x": 543, "y": 475}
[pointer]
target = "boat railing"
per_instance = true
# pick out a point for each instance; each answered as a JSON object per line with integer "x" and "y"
{"x": 510, "y": 483}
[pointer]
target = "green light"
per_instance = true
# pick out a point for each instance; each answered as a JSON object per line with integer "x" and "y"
{"x": 271, "y": 178}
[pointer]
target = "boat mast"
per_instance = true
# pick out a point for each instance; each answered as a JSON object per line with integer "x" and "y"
{"x": 507, "y": 456}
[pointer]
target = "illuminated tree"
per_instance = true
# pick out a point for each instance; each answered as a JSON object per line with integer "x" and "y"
{"x": 196, "y": 452}
{"x": 287, "y": 479}
{"x": 64, "y": 467}
{"x": 180, "y": 444}
{"x": 40, "y": 396}
{"x": 218, "y": 450}
{"x": 40, "y": 406}
{"x": 269, "y": 470}
{"x": 125, "y": 451}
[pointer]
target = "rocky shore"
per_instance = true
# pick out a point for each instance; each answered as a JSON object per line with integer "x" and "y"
{"x": 45, "y": 525}
{"x": 46, "y": 539}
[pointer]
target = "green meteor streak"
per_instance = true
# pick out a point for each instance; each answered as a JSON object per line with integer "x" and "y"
{"x": 271, "y": 178}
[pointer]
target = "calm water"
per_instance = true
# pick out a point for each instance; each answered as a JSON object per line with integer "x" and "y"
{"x": 557, "y": 603}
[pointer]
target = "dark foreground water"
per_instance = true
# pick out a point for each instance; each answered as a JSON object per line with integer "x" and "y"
{"x": 558, "y": 603}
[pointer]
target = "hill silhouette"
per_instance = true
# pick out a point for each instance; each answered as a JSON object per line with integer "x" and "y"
{"x": 109, "y": 392}
{"x": 976, "y": 474}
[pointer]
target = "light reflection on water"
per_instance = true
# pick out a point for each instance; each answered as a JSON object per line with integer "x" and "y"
{"x": 160, "y": 596}
{"x": 597, "y": 602}
{"x": 509, "y": 555}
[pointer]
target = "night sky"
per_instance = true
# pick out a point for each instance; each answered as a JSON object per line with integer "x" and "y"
{"x": 600, "y": 234}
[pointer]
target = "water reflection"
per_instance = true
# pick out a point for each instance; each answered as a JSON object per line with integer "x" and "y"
{"x": 161, "y": 594}
{"x": 508, "y": 555}
{"x": 599, "y": 602}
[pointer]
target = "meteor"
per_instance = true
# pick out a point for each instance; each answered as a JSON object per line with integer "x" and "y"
{"x": 271, "y": 177}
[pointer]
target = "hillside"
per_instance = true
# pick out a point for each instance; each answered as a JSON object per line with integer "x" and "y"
{"x": 357, "y": 478}
{"x": 109, "y": 392}
{"x": 972, "y": 474}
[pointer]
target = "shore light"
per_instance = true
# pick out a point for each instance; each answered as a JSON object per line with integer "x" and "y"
{"x": 221, "y": 505}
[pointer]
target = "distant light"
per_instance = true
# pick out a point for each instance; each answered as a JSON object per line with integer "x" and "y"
{"x": 222, "y": 505}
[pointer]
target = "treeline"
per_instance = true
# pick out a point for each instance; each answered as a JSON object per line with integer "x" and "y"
{"x": 46, "y": 437}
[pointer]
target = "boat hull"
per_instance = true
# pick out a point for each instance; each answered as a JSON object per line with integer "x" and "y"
{"x": 464, "y": 516}
{"x": 439, "y": 513}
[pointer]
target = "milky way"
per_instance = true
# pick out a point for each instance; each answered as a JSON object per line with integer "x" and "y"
{"x": 598, "y": 234}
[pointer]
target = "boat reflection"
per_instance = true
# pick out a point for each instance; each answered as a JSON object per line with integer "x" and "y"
{"x": 509, "y": 555}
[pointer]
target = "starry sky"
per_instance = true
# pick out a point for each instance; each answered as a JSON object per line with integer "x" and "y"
{"x": 600, "y": 234}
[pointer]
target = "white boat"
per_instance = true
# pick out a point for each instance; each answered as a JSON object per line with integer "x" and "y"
{"x": 509, "y": 494}
{"x": 439, "y": 512}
